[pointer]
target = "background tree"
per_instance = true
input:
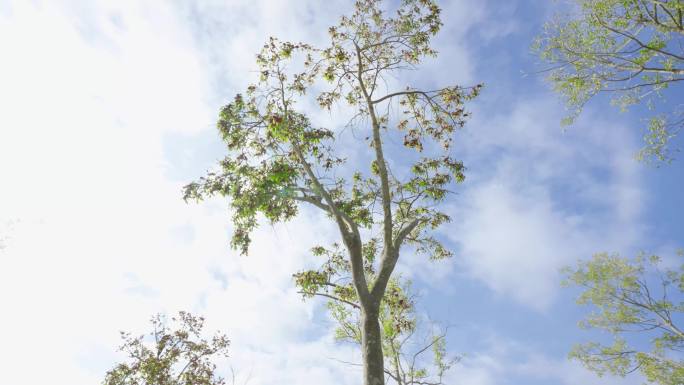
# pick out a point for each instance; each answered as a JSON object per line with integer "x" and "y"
{"x": 170, "y": 355}
{"x": 278, "y": 159}
{"x": 636, "y": 300}
{"x": 632, "y": 49}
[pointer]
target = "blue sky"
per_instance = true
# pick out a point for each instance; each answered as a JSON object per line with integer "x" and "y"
{"x": 108, "y": 110}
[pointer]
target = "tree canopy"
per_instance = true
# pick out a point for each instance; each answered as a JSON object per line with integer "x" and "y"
{"x": 634, "y": 299}
{"x": 632, "y": 49}
{"x": 173, "y": 354}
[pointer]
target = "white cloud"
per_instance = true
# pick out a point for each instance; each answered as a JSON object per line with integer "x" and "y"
{"x": 568, "y": 372}
{"x": 538, "y": 199}
{"x": 515, "y": 242}
{"x": 101, "y": 239}
{"x": 505, "y": 361}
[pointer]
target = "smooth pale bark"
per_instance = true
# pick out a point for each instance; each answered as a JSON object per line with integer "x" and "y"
{"x": 371, "y": 346}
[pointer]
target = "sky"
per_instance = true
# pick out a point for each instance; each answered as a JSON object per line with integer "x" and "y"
{"x": 107, "y": 108}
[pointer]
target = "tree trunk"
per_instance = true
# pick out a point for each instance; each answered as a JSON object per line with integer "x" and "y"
{"x": 371, "y": 345}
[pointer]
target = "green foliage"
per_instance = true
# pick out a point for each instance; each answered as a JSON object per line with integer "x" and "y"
{"x": 632, "y": 296}
{"x": 630, "y": 48}
{"x": 657, "y": 139}
{"x": 170, "y": 356}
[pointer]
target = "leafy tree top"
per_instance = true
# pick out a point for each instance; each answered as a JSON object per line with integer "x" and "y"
{"x": 631, "y": 49}
{"x": 172, "y": 354}
{"x": 633, "y": 296}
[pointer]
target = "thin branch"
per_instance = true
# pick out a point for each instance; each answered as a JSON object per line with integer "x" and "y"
{"x": 636, "y": 40}
{"x": 352, "y": 304}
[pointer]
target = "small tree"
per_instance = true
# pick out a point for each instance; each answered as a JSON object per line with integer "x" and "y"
{"x": 629, "y": 48}
{"x": 278, "y": 159}
{"x": 170, "y": 356}
{"x": 634, "y": 299}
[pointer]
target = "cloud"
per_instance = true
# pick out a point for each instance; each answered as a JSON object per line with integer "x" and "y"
{"x": 504, "y": 361}
{"x": 230, "y": 34}
{"x": 80, "y": 152}
{"x": 539, "y": 198}
{"x": 100, "y": 237}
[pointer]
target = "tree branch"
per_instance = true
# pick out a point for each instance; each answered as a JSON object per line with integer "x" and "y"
{"x": 404, "y": 232}
{"x": 636, "y": 40}
{"x": 352, "y": 304}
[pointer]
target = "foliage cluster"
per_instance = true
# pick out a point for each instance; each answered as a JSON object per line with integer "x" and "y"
{"x": 633, "y": 296}
{"x": 631, "y": 49}
{"x": 175, "y": 354}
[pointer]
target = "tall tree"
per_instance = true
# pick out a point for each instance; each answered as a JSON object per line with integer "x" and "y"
{"x": 172, "y": 354}
{"x": 632, "y": 49}
{"x": 636, "y": 301}
{"x": 278, "y": 159}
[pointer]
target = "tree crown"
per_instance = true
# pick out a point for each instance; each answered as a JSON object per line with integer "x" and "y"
{"x": 631, "y": 49}
{"x": 170, "y": 355}
{"x": 634, "y": 295}
{"x": 278, "y": 159}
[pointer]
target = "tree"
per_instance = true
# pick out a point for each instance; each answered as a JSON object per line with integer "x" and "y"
{"x": 635, "y": 299}
{"x": 278, "y": 159}
{"x": 170, "y": 356}
{"x": 631, "y": 49}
